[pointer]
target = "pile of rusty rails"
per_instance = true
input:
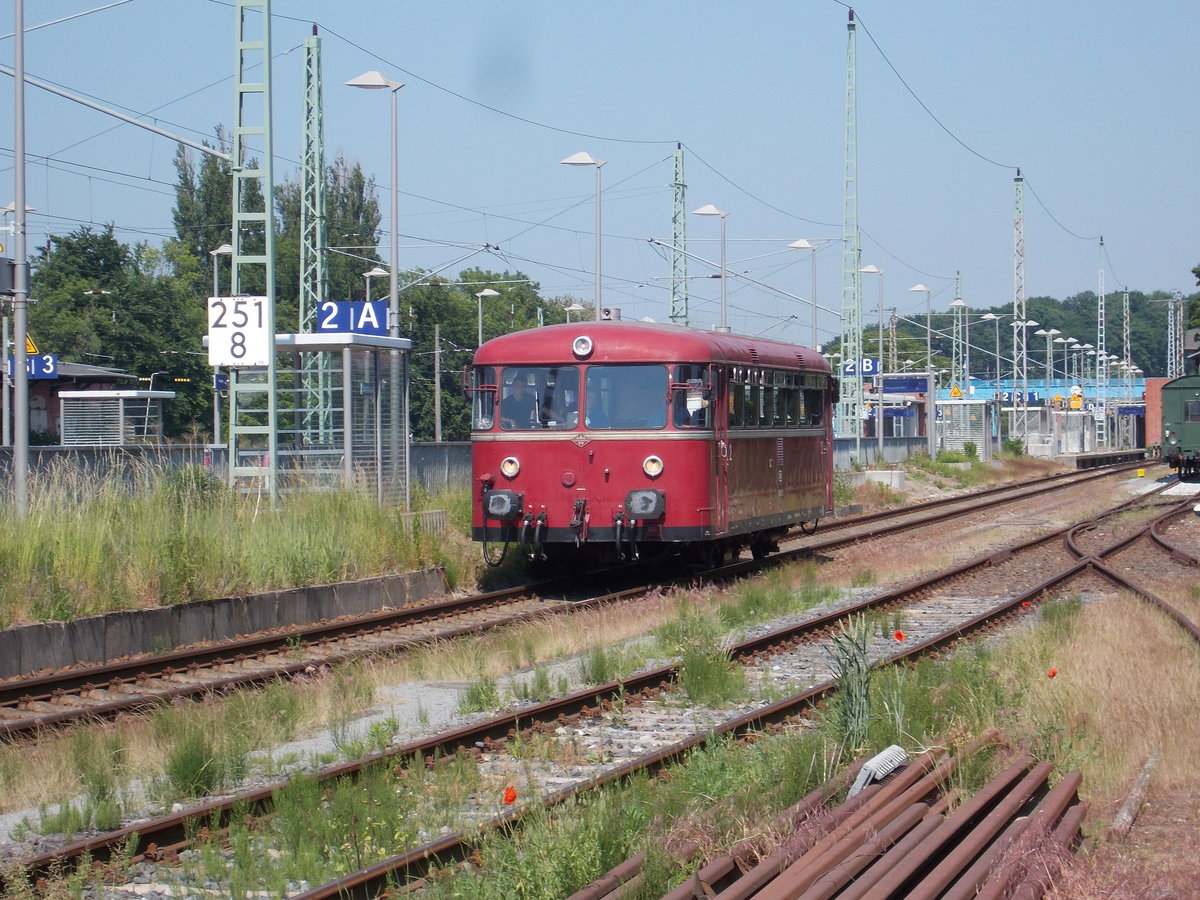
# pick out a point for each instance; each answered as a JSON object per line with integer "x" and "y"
{"x": 911, "y": 835}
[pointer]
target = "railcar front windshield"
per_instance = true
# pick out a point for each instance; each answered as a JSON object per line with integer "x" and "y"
{"x": 625, "y": 397}
{"x": 538, "y": 397}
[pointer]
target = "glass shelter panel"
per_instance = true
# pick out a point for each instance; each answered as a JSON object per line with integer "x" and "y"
{"x": 340, "y": 422}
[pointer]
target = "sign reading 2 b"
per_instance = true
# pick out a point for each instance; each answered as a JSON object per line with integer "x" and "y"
{"x": 238, "y": 332}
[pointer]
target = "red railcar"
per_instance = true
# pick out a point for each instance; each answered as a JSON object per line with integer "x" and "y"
{"x": 619, "y": 439}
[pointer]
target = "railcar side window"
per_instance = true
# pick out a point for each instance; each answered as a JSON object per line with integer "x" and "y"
{"x": 483, "y": 397}
{"x": 539, "y": 397}
{"x": 1191, "y": 410}
{"x": 691, "y": 407}
{"x": 626, "y": 397}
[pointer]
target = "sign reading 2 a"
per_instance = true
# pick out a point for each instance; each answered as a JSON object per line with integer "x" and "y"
{"x": 238, "y": 333}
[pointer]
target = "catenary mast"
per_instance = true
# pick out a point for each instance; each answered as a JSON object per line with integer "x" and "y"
{"x": 1020, "y": 356}
{"x": 851, "y": 403}
{"x": 679, "y": 284}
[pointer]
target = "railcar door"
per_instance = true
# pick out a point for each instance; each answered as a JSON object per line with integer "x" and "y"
{"x": 723, "y": 449}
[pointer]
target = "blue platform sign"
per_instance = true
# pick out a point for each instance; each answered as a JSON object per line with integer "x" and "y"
{"x": 43, "y": 365}
{"x": 1030, "y": 396}
{"x": 353, "y": 317}
{"x": 904, "y": 384}
{"x": 870, "y": 368}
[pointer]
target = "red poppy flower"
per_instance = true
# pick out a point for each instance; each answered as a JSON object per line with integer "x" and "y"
{"x": 510, "y": 795}
{"x": 898, "y": 634}
{"x": 1052, "y": 673}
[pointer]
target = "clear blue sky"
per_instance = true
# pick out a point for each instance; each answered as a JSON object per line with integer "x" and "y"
{"x": 1096, "y": 102}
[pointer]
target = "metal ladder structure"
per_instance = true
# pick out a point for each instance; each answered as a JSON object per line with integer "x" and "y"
{"x": 253, "y": 436}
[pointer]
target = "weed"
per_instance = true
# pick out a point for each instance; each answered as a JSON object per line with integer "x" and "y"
{"x": 710, "y": 677}
{"x": 863, "y": 578}
{"x": 850, "y": 708}
{"x": 843, "y": 490}
{"x": 537, "y": 688}
{"x": 480, "y": 696}
{"x": 600, "y": 665}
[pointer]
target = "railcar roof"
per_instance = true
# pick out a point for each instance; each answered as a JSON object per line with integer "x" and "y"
{"x": 1187, "y": 382}
{"x": 643, "y": 342}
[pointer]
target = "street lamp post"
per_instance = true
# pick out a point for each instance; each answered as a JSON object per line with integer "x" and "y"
{"x": 928, "y": 324}
{"x": 710, "y": 210}
{"x": 584, "y": 159}
{"x": 930, "y": 394}
{"x": 875, "y": 270}
{"x": 486, "y": 292}
{"x": 223, "y": 250}
{"x": 992, "y": 317}
{"x": 574, "y": 308}
{"x": 1048, "y": 333}
{"x": 803, "y": 244}
{"x": 1064, "y": 342}
{"x": 375, "y": 80}
{"x": 376, "y": 272}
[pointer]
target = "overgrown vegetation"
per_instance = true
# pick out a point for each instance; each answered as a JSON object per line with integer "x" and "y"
{"x": 141, "y": 536}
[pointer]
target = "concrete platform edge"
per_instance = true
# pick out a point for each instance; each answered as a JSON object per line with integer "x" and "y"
{"x": 26, "y": 649}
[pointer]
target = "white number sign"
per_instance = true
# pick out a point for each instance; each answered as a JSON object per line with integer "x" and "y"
{"x": 237, "y": 332}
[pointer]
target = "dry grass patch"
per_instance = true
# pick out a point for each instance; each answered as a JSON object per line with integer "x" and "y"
{"x": 1126, "y": 680}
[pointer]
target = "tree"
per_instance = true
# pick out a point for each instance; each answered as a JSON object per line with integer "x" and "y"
{"x": 352, "y": 217}
{"x": 133, "y": 308}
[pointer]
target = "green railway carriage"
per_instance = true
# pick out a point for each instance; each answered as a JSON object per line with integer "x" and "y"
{"x": 1181, "y": 425}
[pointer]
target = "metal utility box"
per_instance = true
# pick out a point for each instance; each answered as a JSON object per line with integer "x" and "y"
{"x": 112, "y": 418}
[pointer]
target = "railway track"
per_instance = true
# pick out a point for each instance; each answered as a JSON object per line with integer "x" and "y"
{"x": 89, "y": 693}
{"x": 927, "y": 634}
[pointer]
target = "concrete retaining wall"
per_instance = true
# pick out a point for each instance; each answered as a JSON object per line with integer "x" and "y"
{"x": 27, "y": 649}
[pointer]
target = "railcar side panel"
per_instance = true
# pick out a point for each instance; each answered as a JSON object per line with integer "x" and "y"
{"x": 1181, "y": 424}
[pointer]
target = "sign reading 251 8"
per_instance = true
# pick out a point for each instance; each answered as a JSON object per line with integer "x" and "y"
{"x": 237, "y": 331}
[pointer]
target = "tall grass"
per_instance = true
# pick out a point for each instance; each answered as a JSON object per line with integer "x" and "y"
{"x": 147, "y": 536}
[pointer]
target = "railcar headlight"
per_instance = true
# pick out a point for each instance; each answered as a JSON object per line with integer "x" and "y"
{"x": 652, "y": 466}
{"x": 510, "y": 467}
{"x": 582, "y": 347}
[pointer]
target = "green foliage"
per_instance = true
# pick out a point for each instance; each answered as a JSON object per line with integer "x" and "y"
{"x": 710, "y": 677}
{"x": 952, "y": 456}
{"x": 849, "y": 709}
{"x": 480, "y": 696}
{"x": 970, "y": 450}
{"x": 1014, "y": 447}
{"x": 945, "y": 467}
{"x": 843, "y": 490}
{"x": 143, "y": 535}
{"x": 537, "y": 688}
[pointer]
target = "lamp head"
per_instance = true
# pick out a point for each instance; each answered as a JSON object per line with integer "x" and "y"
{"x": 582, "y": 159}
{"x": 374, "y": 80}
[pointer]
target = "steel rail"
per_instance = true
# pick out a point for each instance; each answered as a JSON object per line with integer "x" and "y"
{"x": 170, "y": 829}
{"x": 136, "y": 678}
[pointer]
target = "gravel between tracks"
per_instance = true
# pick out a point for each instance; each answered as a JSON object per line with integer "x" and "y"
{"x": 427, "y": 707}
